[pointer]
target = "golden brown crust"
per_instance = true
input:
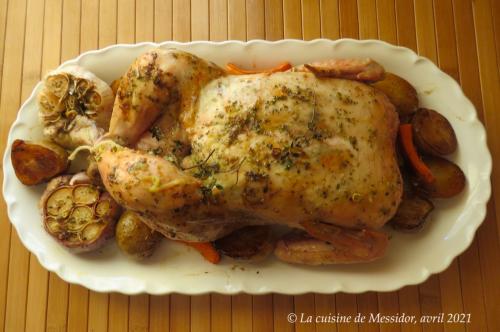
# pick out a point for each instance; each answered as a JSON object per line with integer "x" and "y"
{"x": 35, "y": 163}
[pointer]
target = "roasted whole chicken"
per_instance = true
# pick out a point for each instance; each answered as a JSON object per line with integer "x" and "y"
{"x": 309, "y": 162}
{"x": 198, "y": 153}
{"x": 214, "y": 157}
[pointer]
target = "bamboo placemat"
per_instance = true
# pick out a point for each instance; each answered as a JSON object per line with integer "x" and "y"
{"x": 462, "y": 36}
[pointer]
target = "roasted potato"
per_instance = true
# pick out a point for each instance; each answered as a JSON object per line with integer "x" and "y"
{"x": 433, "y": 133}
{"x": 449, "y": 179}
{"x": 135, "y": 238}
{"x": 252, "y": 243}
{"x": 79, "y": 216}
{"x": 401, "y": 93}
{"x": 35, "y": 163}
{"x": 411, "y": 213}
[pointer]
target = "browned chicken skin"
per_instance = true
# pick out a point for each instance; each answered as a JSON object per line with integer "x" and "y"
{"x": 199, "y": 154}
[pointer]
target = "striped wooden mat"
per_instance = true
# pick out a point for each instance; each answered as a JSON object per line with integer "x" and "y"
{"x": 462, "y": 36}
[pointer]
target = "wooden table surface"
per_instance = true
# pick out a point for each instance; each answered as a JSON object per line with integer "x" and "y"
{"x": 462, "y": 36}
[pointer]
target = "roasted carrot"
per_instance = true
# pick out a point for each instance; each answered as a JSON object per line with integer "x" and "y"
{"x": 406, "y": 135}
{"x": 206, "y": 249}
{"x": 231, "y": 68}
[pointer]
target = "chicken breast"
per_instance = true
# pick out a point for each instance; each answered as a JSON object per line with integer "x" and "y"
{"x": 290, "y": 147}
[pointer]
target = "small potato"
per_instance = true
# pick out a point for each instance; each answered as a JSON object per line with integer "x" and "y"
{"x": 35, "y": 163}
{"x": 79, "y": 216}
{"x": 433, "y": 133}
{"x": 134, "y": 237}
{"x": 252, "y": 243}
{"x": 401, "y": 93}
{"x": 449, "y": 179}
{"x": 411, "y": 213}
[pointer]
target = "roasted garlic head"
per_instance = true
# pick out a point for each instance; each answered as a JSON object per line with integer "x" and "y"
{"x": 80, "y": 216}
{"x": 75, "y": 106}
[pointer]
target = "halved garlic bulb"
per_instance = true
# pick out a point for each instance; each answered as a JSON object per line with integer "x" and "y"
{"x": 75, "y": 106}
{"x": 80, "y": 216}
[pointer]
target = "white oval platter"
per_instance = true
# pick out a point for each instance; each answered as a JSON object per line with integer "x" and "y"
{"x": 410, "y": 258}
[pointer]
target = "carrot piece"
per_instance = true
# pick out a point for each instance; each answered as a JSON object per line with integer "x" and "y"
{"x": 406, "y": 134}
{"x": 231, "y": 68}
{"x": 206, "y": 249}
